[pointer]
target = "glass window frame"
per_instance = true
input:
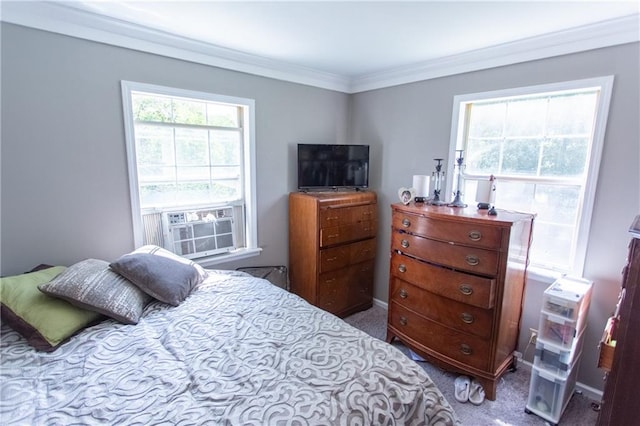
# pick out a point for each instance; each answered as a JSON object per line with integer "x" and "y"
{"x": 248, "y": 179}
{"x": 585, "y": 210}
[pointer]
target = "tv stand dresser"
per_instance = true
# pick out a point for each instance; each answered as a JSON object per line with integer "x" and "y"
{"x": 332, "y": 246}
{"x": 456, "y": 285}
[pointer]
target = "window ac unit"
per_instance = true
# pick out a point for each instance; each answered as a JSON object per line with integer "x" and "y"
{"x": 199, "y": 233}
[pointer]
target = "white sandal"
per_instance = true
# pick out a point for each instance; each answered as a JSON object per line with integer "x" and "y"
{"x": 476, "y": 393}
{"x": 462, "y": 385}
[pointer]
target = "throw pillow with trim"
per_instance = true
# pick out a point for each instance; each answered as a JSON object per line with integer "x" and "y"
{"x": 90, "y": 284}
{"x": 44, "y": 321}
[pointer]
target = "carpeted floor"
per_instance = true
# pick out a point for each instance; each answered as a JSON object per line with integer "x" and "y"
{"x": 512, "y": 392}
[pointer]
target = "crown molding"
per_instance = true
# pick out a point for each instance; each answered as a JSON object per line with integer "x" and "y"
{"x": 594, "y": 36}
{"x": 58, "y": 18}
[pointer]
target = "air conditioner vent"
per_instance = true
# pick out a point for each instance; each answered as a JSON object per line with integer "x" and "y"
{"x": 199, "y": 233}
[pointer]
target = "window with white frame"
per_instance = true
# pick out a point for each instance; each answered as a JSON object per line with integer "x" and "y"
{"x": 191, "y": 171}
{"x": 543, "y": 145}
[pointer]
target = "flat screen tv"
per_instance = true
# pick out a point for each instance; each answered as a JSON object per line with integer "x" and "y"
{"x": 332, "y": 166}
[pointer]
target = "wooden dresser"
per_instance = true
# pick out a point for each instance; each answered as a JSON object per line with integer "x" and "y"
{"x": 456, "y": 286}
{"x": 620, "y": 400}
{"x": 332, "y": 246}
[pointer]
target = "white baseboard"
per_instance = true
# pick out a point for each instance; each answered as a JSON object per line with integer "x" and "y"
{"x": 380, "y": 303}
{"x": 588, "y": 391}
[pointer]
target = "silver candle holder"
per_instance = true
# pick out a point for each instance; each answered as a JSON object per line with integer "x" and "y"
{"x": 437, "y": 178}
{"x": 457, "y": 200}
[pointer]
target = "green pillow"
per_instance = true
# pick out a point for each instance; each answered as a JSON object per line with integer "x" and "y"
{"x": 45, "y": 321}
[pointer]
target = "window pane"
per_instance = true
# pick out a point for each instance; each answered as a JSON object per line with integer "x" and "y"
{"x": 193, "y": 193}
{"x": 194, "y": 173}
{"x": 192, "y": 147}
{"x": 572, "y": 114}
{"x": 225, "y": 172}
{"x": 151, "y": 108}
{"x": 482, "y": 156}
{"x": 487, "y": 120}
{"x": 564, "y": 157}
{"x": 157, "y": 195}
{"x": 222, "y": 115}
{"x": 552, "y": 244}
{"x": 156, "y": 174}
{"x": 154, "y": 145}
{"x": 189, "y": 112}
{"x": 225, "y": 147}
{"x": 520, "y": 157}
{"x": 526, "y": 117}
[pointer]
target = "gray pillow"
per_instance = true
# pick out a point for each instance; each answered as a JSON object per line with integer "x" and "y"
{"x": 168, "y": 280}
{"x": 159, "y": 251}
{"x": 90, "y": 284}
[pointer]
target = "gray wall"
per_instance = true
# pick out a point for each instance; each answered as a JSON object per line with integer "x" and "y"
{"x": 412, "y": 123}
{"x": 64, "y": 187}
{"x": 65, "y": 192}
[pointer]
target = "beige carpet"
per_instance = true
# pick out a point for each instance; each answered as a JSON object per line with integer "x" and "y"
{"x": 512, "y": 392}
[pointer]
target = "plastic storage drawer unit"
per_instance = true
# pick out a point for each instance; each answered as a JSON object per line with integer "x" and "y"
{"x": 556, "y": 360}
{"x": 549, "y": 394}
{"x": 568, "y": 298}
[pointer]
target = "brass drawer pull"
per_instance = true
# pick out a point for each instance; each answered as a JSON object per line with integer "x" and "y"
{"x": 402, "y": 268}
{"x": 403, "y": 294}
{"x": 467, "y": 318}
{"x": 332, "y": 218}
{"x": 403, "y": 321}
{"x": 466, "y": 289}
{"x": 333, "y": 236}
{"x": 406, "y": 222}
{"x": 330, "y": 280}
{"x": 332, "y": 259}
{"x": 472, "y": 260}
{"x": 465, "y": 349}
{"x": 475, "y": 235}
{"x": 404, "y": 243}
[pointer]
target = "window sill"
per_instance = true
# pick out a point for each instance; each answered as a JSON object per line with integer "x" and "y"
{"x": 542, "y": 275}
{"x": 239, "y": 254}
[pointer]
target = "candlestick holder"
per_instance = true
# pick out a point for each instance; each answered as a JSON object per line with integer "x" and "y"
{"x": 437, "y": 177}
{"x": 457, "y": 200}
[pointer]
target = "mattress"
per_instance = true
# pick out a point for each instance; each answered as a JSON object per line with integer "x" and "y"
{"x": 237, "y": 351}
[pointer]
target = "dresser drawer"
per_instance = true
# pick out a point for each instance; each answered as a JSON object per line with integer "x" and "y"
{"x": 341, "y": 256}
{"x": 346, "y": 233}
{"x": 338, "y": 289}
{"x": 466, "y": 318}
{"x": 474, "y": 235}
{"x": 465, "y": 288}
{"x": 472, "y": 259}
{"x": 345, "y": 215}
{"x": 465, "y": 348}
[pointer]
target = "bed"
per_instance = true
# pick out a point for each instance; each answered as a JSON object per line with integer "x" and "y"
{"x": 238, "y": 350}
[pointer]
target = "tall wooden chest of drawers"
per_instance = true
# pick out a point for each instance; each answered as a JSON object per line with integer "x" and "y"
{"x": 332, "y": 246}
{"x": 456, "y": 285}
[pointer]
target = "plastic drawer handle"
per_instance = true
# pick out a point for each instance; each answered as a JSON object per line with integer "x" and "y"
{"x": 475, "y": 235}
{"x": 402, "y": 268}
{"x": 467, "y": 318}
{"x": 404, "y": 243}
{"x": 465, "y": 289}
{"x": 406, "y": 222}
{"x": 403, "y": 294}
{"x": 472, "y": 260}
{"x": 465, "y": 349}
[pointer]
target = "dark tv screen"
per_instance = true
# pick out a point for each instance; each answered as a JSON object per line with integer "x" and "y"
{"x": 333, "y": 166}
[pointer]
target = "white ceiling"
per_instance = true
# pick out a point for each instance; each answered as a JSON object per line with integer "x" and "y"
{"x": 346, "y": 42}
